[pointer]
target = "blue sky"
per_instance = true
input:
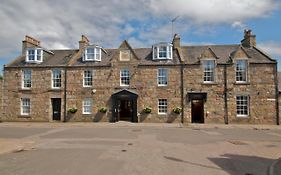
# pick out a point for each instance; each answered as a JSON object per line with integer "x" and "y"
{"x": 59, "y": 24}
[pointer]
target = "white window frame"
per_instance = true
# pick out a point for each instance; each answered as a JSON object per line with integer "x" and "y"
{"x": 208, "y": 69}
{"x": 124, "y": 77}
{"x": 243, "y": 72}
{"x": 95, "y": 55}
{"x": 162, "y": 74}
{"x": 87, "y": 104}
{"x": 88, "y": 78}
{"x": 26, "y": 78}
{"x": 37, "y": 55}
{"x": 162, "y": 106}
{"x": 242, "y": 106}
{"x": 157, "y": 52}
{"x": 25, "y": 106}
{"x": 56, "y": 80}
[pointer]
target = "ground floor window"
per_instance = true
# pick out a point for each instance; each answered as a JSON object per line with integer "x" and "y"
{"x": 25, "y": 106}
{"x": 242, "y": 106}
{"x": 87, "y": 106}
{"x": 162, "y": 106}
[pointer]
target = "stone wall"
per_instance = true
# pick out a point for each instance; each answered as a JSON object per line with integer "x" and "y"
{"x": 40, "y": 95}
{"x": 1, "y": 95}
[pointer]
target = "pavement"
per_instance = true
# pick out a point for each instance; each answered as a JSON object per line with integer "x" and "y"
{"x": 139, "y": 148}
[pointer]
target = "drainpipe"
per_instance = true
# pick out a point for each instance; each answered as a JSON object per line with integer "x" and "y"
{"x": 225, "y": 95}
{"x": 65, "y": 82}
{"x": 276, "y": 94}
{"x": 182, "y": 95}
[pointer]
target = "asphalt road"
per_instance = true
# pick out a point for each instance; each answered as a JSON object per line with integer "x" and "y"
{"x": 138, "y": 149}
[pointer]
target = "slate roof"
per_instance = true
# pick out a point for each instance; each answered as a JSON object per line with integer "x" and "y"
{"x": 190, "y": 54}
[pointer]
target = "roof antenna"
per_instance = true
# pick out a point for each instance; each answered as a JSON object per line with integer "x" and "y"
{"x": 173, "y": 20}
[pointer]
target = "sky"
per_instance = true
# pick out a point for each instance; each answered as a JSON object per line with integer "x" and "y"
{"x": 59, "y": 24}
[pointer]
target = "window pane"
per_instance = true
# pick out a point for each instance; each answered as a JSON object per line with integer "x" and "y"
{"x": 162, "y": 52}
{"x": 27, "y": 78}
{"x": 25, "y": 106}
{"x": 56, "y": 78}
{"x": 241, "y": 70}
{"x": 242, "y": 105}
{"x": 87, "y": 106}
{"x": 162, "y": 76}
{"x": 209, "y": 69}
{"x": 125, "y": 77}
{"x": 88, "y": 78}
{"x": 162, "y": 106}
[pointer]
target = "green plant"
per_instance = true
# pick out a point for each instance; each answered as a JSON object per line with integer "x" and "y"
{"x": 147, "y": 110}
{"x": 177, "y": 110}
{"x": 72, "y": 110}
{"x": 103, "y": 109}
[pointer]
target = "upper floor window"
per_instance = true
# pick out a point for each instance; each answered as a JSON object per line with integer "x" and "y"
{"x": 25, "y": 106}
{"x": 209, "y": 71}
{"x": 26, "y": 81}
{"x": 241, "y": 70}
{"x": 34, "y": 55}
{"x": 56, "y": 78}
{"x": 92, "y": 53}
{"x": 242, "y": 106}
{"x": 162, "y": 51}
{"x": 124, "y": 77}
{"x": 162, "y": 77}
{"x": 88, "y": 78}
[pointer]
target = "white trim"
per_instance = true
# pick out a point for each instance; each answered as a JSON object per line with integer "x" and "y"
{"x": 22, "y": 81}
{"x": 162, "y": 113}
{"x": 246, "y": 70}
{"x": 248, "y": 106}
{"x": 213, "y": 71}
{"x": 96, "y": 53}
{"x": 22, "y": 106}
{"x": 52, "y": 78}
{"x": 169, "y": 49}
{"x": 91, "y": 71}
{"x": 124, "y": 85}
{"x": 167, "y": 76}
{"x": 90, "y": 105}
{"x": 36, "y": 55}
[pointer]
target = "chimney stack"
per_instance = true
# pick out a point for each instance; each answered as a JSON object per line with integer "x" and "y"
{"x": 176, "y": 41}
{"x": 29, "y": 42}
{"x": 83, "y": 43}
{"x": 249, "y": 39}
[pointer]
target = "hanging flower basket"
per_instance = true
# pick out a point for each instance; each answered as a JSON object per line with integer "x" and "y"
{"x": 72, "y": 110}
{"x": 103, "y": 109}
{"x": 147, "y": 110}
{"x": 177, "y": 110}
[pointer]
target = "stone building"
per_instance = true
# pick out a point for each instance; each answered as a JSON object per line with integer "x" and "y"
{"x": 167, "y": 82}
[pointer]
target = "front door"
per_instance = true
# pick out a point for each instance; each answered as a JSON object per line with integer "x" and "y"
{"x": 197, "y": 111}
{"x": 125, "y": 110}
{"x": 56, "y": 105}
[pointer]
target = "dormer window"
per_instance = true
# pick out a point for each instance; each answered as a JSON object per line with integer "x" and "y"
{"x": 92, "y": 53}
{"x": 162, "y": 51}
{"x": 34, "y": 55}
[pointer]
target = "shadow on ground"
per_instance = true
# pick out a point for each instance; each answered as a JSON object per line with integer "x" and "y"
{"x": 243, "y": 164}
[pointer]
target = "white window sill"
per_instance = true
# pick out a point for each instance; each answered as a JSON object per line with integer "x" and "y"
{"x": 87, "y": 86}
{"x": 162, "y": 113}
{"x": 87, "y": 113}
{"x": 162, "y": 85}
{"x": 124, "y": 85}
{"x": 242, "y": 116}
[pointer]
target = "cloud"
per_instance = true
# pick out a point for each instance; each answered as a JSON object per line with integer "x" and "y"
{"x": 272, "y": 48}
{"x": 60, "y": 24}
